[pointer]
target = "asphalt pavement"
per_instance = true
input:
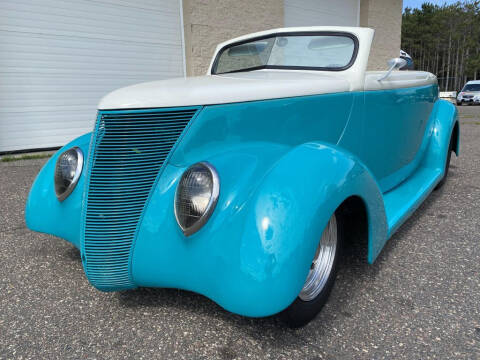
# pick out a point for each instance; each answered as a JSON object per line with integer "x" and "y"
{"x": 420, "y": 300}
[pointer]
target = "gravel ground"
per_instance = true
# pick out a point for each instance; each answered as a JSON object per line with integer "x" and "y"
{"x": 420, "y": 300}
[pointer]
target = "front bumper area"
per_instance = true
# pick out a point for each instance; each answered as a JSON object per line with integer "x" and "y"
{"x": 230, "y": 260}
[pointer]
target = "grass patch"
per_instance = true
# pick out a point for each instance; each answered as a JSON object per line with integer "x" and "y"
{"x": 10, "y": 158}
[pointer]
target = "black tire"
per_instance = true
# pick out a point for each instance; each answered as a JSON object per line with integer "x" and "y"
{"x": 301, "y": 312}
{"x": 447, "y": 165}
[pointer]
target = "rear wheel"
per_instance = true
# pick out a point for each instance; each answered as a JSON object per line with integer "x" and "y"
{"x": 320, "y": 279}
{"x": 447, "y": 165}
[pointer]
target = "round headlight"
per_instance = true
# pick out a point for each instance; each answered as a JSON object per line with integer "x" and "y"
{"x": 67, "y": 172}
{"x": 196, "y": 197}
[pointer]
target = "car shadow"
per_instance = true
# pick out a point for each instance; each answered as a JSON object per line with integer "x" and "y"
{"x": 73, "y": 254}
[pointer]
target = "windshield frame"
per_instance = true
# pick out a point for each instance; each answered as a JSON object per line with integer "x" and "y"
{"x": 288, "y": 67}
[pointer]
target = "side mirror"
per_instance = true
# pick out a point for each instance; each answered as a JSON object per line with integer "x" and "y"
{"x": 395, "y": 63}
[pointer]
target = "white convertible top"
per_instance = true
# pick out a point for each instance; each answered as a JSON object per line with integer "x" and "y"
{"x": 398, "y": 79}
{"x": 267, "y": 83}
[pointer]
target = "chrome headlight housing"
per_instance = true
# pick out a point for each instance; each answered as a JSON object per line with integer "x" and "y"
{"x": 67, "y": 172}
{"x": 196, "y": 196}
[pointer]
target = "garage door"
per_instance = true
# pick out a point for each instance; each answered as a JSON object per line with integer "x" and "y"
{"x": 59, "y": 57}
{"x": 322, "y": 12}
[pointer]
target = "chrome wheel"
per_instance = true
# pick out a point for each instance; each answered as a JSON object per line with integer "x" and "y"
{"x": 322, "y": 262}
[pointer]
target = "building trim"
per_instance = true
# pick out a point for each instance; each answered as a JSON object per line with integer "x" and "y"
{"x": 358, "y": 12}
{"x": 183, "y": 39}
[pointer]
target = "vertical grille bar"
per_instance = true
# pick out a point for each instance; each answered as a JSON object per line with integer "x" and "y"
{"x": 128, "y": 150}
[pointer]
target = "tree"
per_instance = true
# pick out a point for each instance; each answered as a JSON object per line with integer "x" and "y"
{"x": 444, "y": 40}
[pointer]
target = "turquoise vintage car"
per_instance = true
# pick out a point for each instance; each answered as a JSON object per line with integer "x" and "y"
{"x": 240, "y": 185}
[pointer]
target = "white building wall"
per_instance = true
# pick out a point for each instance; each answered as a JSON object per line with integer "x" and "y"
{"x": 59, "y": 57}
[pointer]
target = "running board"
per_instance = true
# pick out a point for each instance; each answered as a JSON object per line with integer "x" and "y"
{"x": 404, "y": 199}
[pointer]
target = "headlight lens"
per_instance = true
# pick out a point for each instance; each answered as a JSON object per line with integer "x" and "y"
{"x": 67, "y": 172}
{"x": 196, "y": 197}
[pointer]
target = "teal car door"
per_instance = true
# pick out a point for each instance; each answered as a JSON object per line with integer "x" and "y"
{"x": 395, "y": 124}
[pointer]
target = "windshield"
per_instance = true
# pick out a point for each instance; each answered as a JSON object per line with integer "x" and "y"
{"x": 471, "y": 87}
{"x": 298, "y": 51}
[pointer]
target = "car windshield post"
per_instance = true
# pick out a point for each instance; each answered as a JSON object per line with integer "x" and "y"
{"x": 309, "y": 51}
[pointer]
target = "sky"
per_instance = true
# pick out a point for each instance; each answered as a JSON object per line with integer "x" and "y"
{"x": 418, "y": 3}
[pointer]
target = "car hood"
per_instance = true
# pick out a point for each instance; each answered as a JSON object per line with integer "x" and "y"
{"x": 221, "y": 89}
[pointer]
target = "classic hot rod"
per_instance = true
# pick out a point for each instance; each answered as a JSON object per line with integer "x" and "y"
{"x": 239, "y": 185}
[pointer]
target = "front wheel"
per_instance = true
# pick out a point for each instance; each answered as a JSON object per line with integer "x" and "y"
{"x": 320, "y": 279}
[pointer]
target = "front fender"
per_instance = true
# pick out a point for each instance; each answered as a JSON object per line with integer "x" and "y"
{"x": 253, "y": 255}
{"x": 44, "y": 213}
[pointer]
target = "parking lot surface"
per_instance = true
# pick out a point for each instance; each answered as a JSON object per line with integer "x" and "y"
{"x": 420, "y": 300}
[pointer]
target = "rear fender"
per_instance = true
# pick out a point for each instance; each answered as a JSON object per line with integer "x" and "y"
{"x": 446, "y": 118}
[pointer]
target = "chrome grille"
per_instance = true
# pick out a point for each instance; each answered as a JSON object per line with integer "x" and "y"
{"x": 127, "y": 152}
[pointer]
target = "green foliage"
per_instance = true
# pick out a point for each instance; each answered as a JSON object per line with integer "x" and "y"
{"x": 444, "y": 40}
{"x": 9, "y": 158}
